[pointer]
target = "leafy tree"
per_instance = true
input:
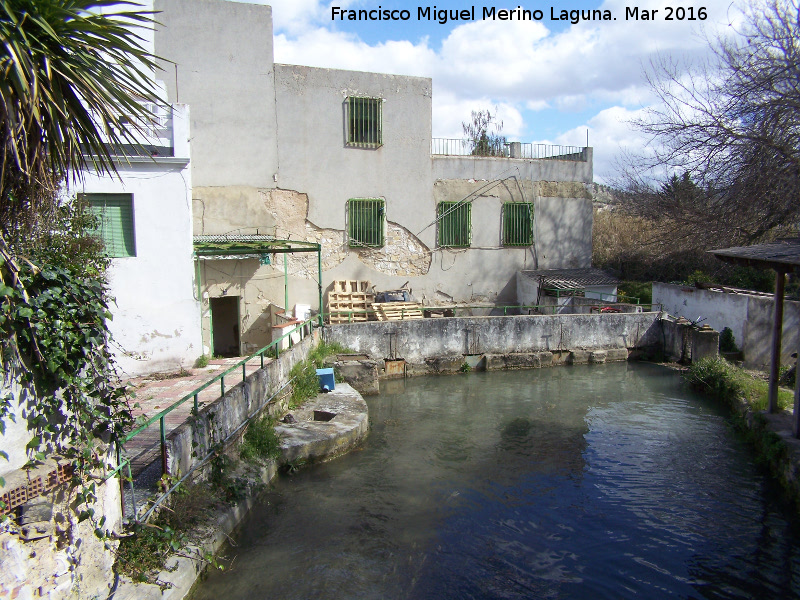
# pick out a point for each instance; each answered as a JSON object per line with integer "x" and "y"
{"x": 69, "y": 70}
{"x": 483, "y": 134}
{"x": 733, "y": 124}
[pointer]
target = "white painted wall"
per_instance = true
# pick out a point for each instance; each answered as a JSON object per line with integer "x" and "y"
{"x": 156, "y": 324}
{"x": 719, "y": 309}
{"x": 749, "y": 317}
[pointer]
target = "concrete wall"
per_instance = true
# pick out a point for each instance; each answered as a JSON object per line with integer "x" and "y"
{"x": 750, "y": 318}
{"x": 156, "y": 324}
{"x": 222, "y": 66}
{"x": 426, "y": 338}
{"x": 490, "y": 168}
{"x": 315, "y": 160}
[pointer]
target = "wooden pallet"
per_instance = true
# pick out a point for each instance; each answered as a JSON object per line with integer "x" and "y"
{"x": 348, "y": 296}
{"x": 397, "y": 311}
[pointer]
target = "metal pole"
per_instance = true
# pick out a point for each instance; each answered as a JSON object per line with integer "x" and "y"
{"x": 777, "y": 330}
{"x": 285, "y": 283}
{"x": 319, "y": 278}
{"x": 163, "y": 447}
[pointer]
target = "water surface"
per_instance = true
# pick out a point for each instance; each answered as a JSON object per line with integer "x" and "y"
{"x": 605, "y": 481}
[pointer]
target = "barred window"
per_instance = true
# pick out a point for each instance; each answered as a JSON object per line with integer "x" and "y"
{"x": 364, "y": 122}
{"x": 366, "y": 220}
{"x": 115, "y": 222}
{"x": 455, "y": 224}
{"x": 517, "y": 224}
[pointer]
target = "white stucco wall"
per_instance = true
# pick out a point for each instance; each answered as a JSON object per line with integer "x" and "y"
{"x": 719, "y": 309}
{"x": 222, "y": 66}
{"x": 315, "y": 160}
{"x": 749, "y": 317}
{"x": 156, "y": 324}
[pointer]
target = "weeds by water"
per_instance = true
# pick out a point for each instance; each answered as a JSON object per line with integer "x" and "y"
{"x": 260, "y": 440}
{"x": 305, "y": 384}
{"x": 728, "y": 383}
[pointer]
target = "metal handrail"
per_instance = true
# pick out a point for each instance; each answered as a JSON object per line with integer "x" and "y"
{"x": 541, "y": 307}
{"x": 194, "y": 393}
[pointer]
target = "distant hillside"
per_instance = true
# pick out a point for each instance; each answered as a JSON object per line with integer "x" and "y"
{"x": 604, "y": 194}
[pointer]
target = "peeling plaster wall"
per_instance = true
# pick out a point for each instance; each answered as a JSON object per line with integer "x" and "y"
{"x": 156, "y": 324}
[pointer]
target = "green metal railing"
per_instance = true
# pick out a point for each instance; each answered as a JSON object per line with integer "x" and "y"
{"x": 194, "y": 395}
{"x": 542, "y": 309}
{"x": 454, "y": 224}
{"x": 517, "y": 223}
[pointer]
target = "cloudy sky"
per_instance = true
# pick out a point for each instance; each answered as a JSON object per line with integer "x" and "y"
{"x": 551, "y": 80}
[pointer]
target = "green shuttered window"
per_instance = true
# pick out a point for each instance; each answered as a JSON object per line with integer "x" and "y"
{"x": 455, "y": 224}
{"x": 115, "y": 227}
{"x": 366, "y": 219}
{"x": 364, "y": 122}
{"x": 517, "y": 224}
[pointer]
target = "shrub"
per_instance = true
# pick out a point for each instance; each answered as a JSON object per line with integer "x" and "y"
{"x": 727, "y": 343}
{"x": 260, "y": 440}
{"x": 723, "y": 381}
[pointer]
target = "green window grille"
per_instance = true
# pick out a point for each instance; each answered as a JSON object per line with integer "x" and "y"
{"x": 115, "y": 222}
{"x": 517, "y": 224}
{"x": 455, "y": 224}
{"x": 366, "y": 222}
{"x": 364, "y": 122}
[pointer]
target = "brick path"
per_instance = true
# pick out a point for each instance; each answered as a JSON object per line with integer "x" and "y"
{"x": 156, "y": 392}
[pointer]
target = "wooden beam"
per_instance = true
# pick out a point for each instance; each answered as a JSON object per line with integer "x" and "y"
{"x": 777, "y": 331}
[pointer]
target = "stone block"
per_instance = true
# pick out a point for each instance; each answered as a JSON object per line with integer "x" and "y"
{"x": 445, "y": 364}
{"x": 35, "y": 511}
{"x": 578, "y": 357}
{"x": 522, "y": 361}
{"x": 616, "y": 354}
{"x": 495, "y": 362}
{"x": 545, "y": 359}
{"x": 705, "y": 343}
{"x": 362, "y": 375}
{"x": 597, "y": 356}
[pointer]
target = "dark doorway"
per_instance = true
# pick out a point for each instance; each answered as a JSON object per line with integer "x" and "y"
{"x": 225, "y": 325}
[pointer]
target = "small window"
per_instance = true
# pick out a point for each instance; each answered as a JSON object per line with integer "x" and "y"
{"x": 364, "y": 122}
{"x": 455, "y": 224}
{"x": 366, "y": 222}
{"x": 517, "y": 224}
{"x": 115, "y": 226}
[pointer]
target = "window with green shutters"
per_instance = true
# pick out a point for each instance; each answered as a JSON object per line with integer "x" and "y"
{"x": 365, "y": 222}
{"x": 364, "y": 122}
{"x": 517, "y": 224}
{"x": 455, "y": 224}
{"x": 115, "y": 227}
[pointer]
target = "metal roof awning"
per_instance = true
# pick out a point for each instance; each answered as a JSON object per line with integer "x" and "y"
{"x": 783, "y": 255}
{"x": 244, "y": 245}
{"x": 571, "y": 279}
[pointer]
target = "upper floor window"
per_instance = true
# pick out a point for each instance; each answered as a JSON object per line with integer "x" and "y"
{"x": 364, "y": 122}
{"x": 517, "y": 224}
{"x": 455, "y": 224}
{"x": 115, "y": 226}
{"x": 366, "y": 219}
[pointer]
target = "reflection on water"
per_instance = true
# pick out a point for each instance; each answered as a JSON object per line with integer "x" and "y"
{"x": 607, "y": 481}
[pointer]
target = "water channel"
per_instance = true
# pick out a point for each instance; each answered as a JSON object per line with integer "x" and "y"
{"x": 604, "y": 481}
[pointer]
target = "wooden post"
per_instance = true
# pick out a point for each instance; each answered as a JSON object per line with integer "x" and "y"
{"x": 777, "y": 330}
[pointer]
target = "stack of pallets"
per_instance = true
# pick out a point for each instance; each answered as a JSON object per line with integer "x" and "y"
{"x": 349, "y": 300}
{"x": 397, "y": 311}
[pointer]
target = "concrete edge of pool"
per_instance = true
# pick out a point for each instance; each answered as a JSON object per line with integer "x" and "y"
{"x": 326, "y": 427}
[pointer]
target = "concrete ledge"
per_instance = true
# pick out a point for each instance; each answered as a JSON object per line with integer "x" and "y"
{"x": 316, "y": 440}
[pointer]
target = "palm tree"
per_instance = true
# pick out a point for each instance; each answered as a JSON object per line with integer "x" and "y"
{"x": 68, "y": 70}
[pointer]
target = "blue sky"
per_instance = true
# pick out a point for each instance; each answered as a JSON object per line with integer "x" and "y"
{"x": 551, "y": 81}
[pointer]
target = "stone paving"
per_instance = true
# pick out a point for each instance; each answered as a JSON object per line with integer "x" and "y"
{"x": 157, "y": 392}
